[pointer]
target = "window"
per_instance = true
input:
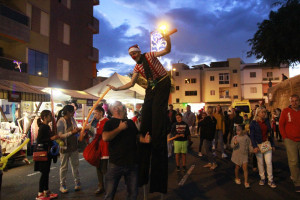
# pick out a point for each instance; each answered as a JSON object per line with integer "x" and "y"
{"x": 66, "y": 34}
{"x": 212, "y": 92}
{"x": 190, "y": 93}
{"x": 177, "y": 87}
{"x": 252, "y": 74}
{"x": 235, "y": 96}
{"x": 176, "y": 73}
{"x": 193, "y": 80}
{"x": 44, "y": 28}
{"x": 177, "y": 100}
{"x": 212, "y": 78}
{"x": 224, "y": 78}
{"x": 62, "y": 69}
{"x": 235, "y": 85}
{"x": 253, "y": 90}
{"x": 37, "y": 63}
{"x": 66, "y": 3}
{"x": 269, "y": 74}
{"x": 234, "y": 71}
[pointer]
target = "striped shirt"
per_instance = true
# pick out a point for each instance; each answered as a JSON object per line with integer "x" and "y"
{"x": 156, "y": 67}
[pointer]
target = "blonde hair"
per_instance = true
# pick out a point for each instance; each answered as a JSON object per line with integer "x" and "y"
{"x": 258, "y": 110}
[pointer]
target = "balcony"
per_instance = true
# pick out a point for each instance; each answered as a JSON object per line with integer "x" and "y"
{"x": 14, "y": 25}
{"x": 225, "y": 97}
{"x": 9, "y": 64}
{"x": 94, "y": 26}
{"x": 94, "y": 56}
{"x": 96, "y": 2}
{"x": 271, "y": 79}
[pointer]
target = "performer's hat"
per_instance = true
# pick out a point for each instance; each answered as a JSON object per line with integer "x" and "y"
{"x": 134, "y": 48}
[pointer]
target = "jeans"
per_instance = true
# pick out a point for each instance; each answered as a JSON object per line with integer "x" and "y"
{"x": 219, "y": 140}
{"x": 74, "y": 160}
{"x": 113, "y": 176}
{"x": 293, "y": 153}
{"x": 260, "y": 162}
{"x": 207, "y": 146}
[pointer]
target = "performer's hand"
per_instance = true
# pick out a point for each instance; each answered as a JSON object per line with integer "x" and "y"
{"x": 55, "y": 137}
{"x": 123, "y": 125}
{"x": 147, "y": 138}
{"x": 112, "y": 87}
{"x": 255, "y": 150}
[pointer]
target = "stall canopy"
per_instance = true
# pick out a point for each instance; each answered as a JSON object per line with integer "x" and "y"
{"x": 66, "y": 95}
{"x": 17, "y": 91}
{"x": 135, "y": 94}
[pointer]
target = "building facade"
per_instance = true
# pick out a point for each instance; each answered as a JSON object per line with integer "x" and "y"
{"x": 53, "y": 41}
{"x": 257, "y": 79}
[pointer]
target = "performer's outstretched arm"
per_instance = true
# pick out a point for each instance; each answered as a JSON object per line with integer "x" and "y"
{"x": 167, "y": 49}
{"x": 127, "y": 85}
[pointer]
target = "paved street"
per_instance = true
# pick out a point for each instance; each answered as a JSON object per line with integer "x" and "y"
{"x": 21, "y": 182}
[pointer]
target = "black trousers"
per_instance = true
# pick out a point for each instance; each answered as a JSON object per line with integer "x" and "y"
{"x": 154, "y": 121}
{"x": 1, "y": 181}
{"x": 44, "y": 179}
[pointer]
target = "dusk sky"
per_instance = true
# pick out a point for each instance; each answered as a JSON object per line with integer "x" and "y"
{"x": 208, "y": 31}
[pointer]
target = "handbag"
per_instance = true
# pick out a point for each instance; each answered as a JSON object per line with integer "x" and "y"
{"x": 265, "y": 147}
{"x": 92, "y": 152}
{"x": 40, "y": 156}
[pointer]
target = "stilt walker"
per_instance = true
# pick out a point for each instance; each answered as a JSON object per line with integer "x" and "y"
{"x": 154, "y": 116}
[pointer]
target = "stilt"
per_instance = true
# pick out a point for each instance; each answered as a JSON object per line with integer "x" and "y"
{"x": 145, "y": 192}
{"x": 161, "y": 196}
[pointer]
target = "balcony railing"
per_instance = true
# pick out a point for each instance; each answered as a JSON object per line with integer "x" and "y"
{"x": 94, "y": 25}
{"x": 94, "y": 56}
{"x": 10, "y": 64}
{"x": 225, "y": 97}
{"x": 271, "y": 79}
{"x": 14, "y": 24}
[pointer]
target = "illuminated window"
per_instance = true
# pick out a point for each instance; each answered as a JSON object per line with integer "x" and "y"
{"x": 187, "y": 81}
{"x": 37, "y": 63}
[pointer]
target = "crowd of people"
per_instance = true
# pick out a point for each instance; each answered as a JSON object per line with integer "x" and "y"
{"x": 249, "y": 137}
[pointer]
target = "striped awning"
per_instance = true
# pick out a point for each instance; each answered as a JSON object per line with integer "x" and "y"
{"x": 28, "y": 93}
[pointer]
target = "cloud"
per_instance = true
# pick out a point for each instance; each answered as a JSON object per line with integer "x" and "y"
{"x": 207, "y": 30}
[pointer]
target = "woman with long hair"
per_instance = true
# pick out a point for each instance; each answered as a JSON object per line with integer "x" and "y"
{"x": 67, "y": 130}
{"x": 260, "y": 132}
{"x": 44, "y": 143}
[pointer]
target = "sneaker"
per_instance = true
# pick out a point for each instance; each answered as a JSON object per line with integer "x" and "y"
{"x": 77, "y": 186}
{"x": 63, "y": 189}
{"x": 297, "y": 188}
{"x": 208, "y": 165}
{"x": 200, "y": 154}
{"x": 272, "y": 184}
{"x": 42, "y": 197}
{"x": 247, "y": 185}
{"x": 214, "y": 166}
{"x": 224, "y": 155}
{"x": 237, "y": 181}
{"x": 99, "y": 191}
{"x": 262, "y": 182}
{"x": 177, "y": 168}
{"x": 50, "y": 194}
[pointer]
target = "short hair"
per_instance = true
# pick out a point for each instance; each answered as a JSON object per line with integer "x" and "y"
{"x": 170, "y": 104}
{"x": 294, "y": 96}
{"x": 179, "y": 114}
{"x": 115, "y": 104}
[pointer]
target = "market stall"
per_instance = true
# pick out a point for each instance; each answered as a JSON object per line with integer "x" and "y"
{"x": 19, "y": 103}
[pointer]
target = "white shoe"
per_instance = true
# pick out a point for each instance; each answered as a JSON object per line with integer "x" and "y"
{"x": 213, "y": 147}
{"x": 224, "y": 155}
{"x": 200, "y": 154}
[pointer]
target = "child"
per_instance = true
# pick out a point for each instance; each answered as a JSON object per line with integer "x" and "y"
{"x": 44, "y": 142}
{"x": 241, "y": 145}
{"x": 181, "y": 131}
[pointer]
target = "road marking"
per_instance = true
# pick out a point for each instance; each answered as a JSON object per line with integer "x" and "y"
{"x": 182, "y": 181}
{"x": 52, "y": 167}
{"x": 81, "y": 159}
{"x": 35, "y": 173}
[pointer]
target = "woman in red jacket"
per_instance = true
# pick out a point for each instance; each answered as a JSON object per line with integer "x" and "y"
{"x": 104, "y": 156}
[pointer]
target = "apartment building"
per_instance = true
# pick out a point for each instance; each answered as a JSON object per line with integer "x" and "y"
{"x": 49, "y": 42}
{"x": 257, "y": 78}
{"x": 222, "y": 83}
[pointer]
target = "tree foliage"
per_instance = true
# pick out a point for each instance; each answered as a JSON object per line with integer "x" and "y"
{"x": 277, "y": 40}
